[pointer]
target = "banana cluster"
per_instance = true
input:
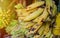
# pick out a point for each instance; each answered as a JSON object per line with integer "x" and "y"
{"x": 38, "y": 18}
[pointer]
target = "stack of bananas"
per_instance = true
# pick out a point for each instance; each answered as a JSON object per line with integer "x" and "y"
{"x": 38, "y": 18}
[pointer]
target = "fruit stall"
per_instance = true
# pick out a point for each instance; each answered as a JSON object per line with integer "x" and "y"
{"x": 29, "y": 18}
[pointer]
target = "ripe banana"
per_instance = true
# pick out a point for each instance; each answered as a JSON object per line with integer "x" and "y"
{"x": 41, "y": 30}
{"x": 46, "y": 28}
{"x": 48, "y": 34}
{"x": 34, "y": 15}
{"x": 56, "y": 30}
{"x": 35, "y": 5}
{"x": 51, "y": 36}
{"x": 36, "y": 36}
{"x": 29, "y": 12}
{"x": 22, "y": 14}
{"x": 29, "y": 25}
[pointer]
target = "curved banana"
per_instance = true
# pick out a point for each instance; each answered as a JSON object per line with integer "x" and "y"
{"x": 35, "y": 5}
{"x": 41, "y": 30}
{"x": 29, "y": 25}
{"x": 34, "y": 15}
{"x": 51, "y": 36}
{"x": 29, "y": 12}
{"x": 42, "y": 17}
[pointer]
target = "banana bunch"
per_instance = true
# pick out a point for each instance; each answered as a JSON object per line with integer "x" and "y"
{"x": 37, "y": 19}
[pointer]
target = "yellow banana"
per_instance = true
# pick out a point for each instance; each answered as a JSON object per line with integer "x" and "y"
{"x": 46, "y": 28}
{"x": 29, "y": 25}
{"x": 41, "y": 30}
{"x": 45, "y": 13}
{"x": 51, "y": 36}
{"x": 56, "y": 30}
{"x": 34, "y": 15}
{"x": 36, "y": 36}
{"x": 29, "y": 12}
{"x": 42, "y": 17}
{"x": 22, "y": 14}
{"x": 48, "y": 34}
{"x": 34, "y": 5}
{"x": 48, "y": 19}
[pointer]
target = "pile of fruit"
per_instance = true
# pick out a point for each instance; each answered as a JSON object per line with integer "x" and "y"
{"x": 37, "y": 20}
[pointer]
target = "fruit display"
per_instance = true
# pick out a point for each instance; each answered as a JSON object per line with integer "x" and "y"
{"x": 40, "y": 19}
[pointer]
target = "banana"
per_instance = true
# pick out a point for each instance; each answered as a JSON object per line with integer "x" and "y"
{"x": 37, "y": 19}
{"x": 48, "y": 19}
{"x": 25, "y": 12}
{"x": 22, "y": 14}
{"x": 48, "y": 34}
{"x": 51, "y": 36}
{"x": 49, "y": 3}
{"x": 54, "y": 11}
{"x": 56, "y": 30}
{"x": 29, "y": 12}
{"x": 42, "y": 17}
{"x": 36, "y": 36}
{"x": 45, "y": 13}
{"x": 35, "y": 5}
{"x": 34, "y": 15}
{"x": 29, "y": 25}
{"x": 46, "y": 29}
{"x": 41, "y": 30}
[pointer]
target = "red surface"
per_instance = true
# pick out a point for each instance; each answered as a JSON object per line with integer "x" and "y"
{"x": 3, "y": 34}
